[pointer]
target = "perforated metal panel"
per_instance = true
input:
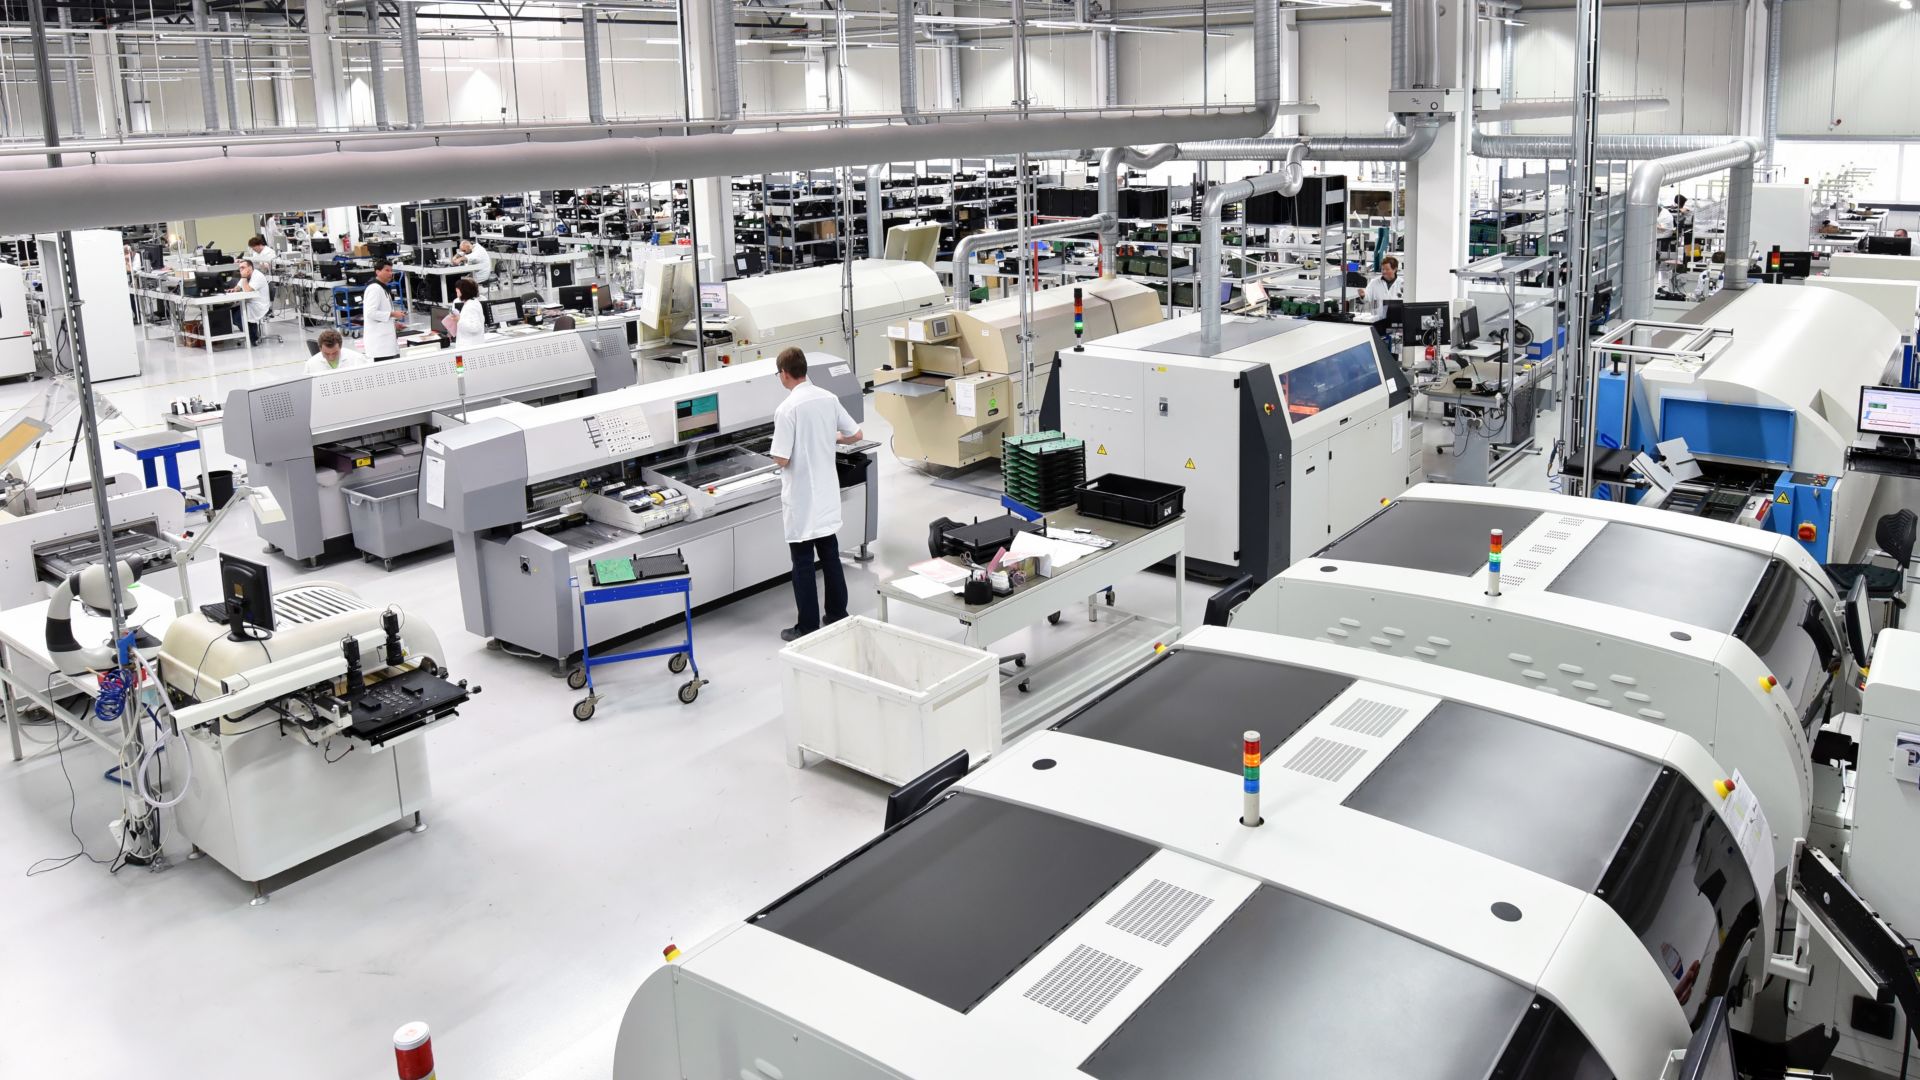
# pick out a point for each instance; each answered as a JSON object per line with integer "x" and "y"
{"x": 1369, "y": 717}
{"x": 1324, "y": 759}
{"x": 1082, "y": 984}
{"x": 1161, "y": 912}
{"x": 312, "y": 604}
{"x": 276, "y": 406}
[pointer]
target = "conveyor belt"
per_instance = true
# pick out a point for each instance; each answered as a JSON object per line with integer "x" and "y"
{"x": 1444, "y": 537}
{"x": 1677, "y": 577}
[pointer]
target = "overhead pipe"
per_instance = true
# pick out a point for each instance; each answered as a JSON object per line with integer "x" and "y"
{"x": 1606, "y": 147}
{"x": 1737, "y": 155}
{"x": 209, "y": 105}
{"x": 726, "y": 63}
{"x": 72, "y": 66}
{"x": 233, "y": 74}
{"x": 376, "y": 68}
{"x": 1512, "y": 109}
{"x": 968, "y": 244}
{"x": 1507, "y": 83}
{"x": 1776, "y": 17}
{"x": 904, "y": 25}
{"x": 410, "y": 67}
{"x": 590, "y": 50}
{"x": 1286, "y": 181}
{"x": 876, "y": 217}
{"x": 1399, "y": 28}
{"x": 1111, "y": 162}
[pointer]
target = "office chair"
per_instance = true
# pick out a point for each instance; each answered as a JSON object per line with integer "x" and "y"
{"x": 1895, "y": 536}
{"x": 313, "y": 347}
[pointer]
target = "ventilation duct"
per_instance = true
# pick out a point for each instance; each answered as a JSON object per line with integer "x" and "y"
{"x": 1287, "y": 182}
{"x": 410, "y": 67}
{"x": 1776, "y": 16}
{"x": 233, "y": 76}
{"x": 376, "y": 70}
{"x": 1546, "y": 108}
{"x": 726, "y": 62}
{"x": 909, "y": 61}
{"x": 963, "y": 251}
{"x": 590, "y": 51}
{"x": 72, "y": 68}
{"x": 203, "y": 46}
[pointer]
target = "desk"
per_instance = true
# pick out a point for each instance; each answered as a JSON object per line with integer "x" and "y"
{"x": 1499, "y": 427}
{"x": 27, "y": 672}
{"x": 194, "y": 424}
{"x": 1088, "y": 667}
{"x": 445, "y": 274}
{"x": 545, "y": 265}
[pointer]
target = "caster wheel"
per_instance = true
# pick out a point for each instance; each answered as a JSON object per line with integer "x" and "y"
{"x": 677, "y": 663}
{"x": 1109, "y": 597}
{"x": 1053, "y": 619}
{"x": 1026, "y": 686}
{"x": 689, "y": 692}
{"x": 577, "y": 679}
{"x": 583, "y": 710}
{"x": 271, "y": 549}
{"x": 312, "y": 562}
{"x": 1019, "y": 661}
{"x": 387, "y": 565}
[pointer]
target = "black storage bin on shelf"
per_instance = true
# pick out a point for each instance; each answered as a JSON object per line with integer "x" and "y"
{"x": 1130, "y": 500}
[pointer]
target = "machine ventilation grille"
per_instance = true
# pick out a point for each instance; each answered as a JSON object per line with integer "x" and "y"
{"x": 1160, "y": 913}
{"x": 1325, "y": 759}
{"x": 312, "y": 604}
{"x": 1369, "y": 717}
{"x": 1081, "y": 985}
{"x": 276, "y": 406}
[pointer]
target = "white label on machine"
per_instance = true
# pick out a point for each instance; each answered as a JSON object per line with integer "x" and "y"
{"x": 1906, "y": 757}
{"x": 620, "y": 433}
{"x": 433, "y": 480}
{"x": 1750, "y": 831}
{"x": 963, "y": 398}
{"x": 1399, "y": 431}
{"x": 837, "y": 370}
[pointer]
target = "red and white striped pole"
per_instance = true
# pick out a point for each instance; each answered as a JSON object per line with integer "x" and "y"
{"x": 413, "y": 1051}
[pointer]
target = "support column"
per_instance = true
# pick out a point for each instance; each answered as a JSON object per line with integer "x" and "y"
{"x": 1437, "y": 183}
{"x": 376, "y": 67}
{"x": 232, "y": 75}
{"x": 103, "y": 58}
{"x": 70, "y": 68}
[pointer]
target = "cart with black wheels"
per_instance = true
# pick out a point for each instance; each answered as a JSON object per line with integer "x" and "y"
{"x": 635, "y": 578}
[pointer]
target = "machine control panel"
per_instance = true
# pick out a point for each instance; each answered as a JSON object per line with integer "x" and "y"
{"x": 395, "y": 706}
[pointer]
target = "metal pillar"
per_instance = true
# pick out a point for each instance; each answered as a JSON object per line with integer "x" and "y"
{"x": 209, "y": 104}
{"x": 1438, "y": 210}
{"x": 376, "y": 72}
{"x": 590, "y": 50}
{"x": 1577, "y": 421}
{"x": 322, "y": 62}
{"x": 233, "y": 75}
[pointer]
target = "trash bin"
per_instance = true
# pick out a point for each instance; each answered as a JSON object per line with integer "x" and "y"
{"x": 219, "y": 488}
{"x": 888, "y": 701}
{"x": 384, "y": 513}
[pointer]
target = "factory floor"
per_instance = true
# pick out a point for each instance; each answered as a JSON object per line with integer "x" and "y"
{"x": 560, "y": 857}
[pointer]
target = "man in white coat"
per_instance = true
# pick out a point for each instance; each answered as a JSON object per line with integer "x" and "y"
{"x": 806, "y": 427}
{"x": 477, "y": 257}
{"x": 1387, "y": 286}
{"x": 382, "y": 336}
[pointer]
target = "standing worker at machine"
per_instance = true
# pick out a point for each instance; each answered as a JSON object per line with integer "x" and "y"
{"x": 382, "y": 334}
{"x": 472, "y": 254}
{"x": 470, "y": 324}
{"x": 806, "y": 427}
{"x": 334, "y": 354}
{"x": 262, "y": 255}
{"x": 1387, "y": 286}
{"x": 254, "y": 283}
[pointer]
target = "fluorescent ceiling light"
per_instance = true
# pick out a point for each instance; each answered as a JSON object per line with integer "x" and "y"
{"x": 1069, "y": 24}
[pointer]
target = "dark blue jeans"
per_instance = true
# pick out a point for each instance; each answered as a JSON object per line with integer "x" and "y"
{"x": 827, "y": 548}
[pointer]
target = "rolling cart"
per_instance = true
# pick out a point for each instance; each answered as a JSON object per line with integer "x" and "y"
{"x": 635, "y": 578}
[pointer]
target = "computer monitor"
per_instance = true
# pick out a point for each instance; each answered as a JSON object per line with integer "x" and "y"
{"x": 155, "y": 256}
{"x": 320, "y": 245}
{"x": 1425, "y": 323}
{"x": 212, "y": 256}
{"x": 208, "y": 282}
{"x": 1790, "y": 264}
{"x": 1889, "y": 245}
{"x": 1859, "y": 620}
{"x": 1890, "y": 410}
{"x": 1710, "y": 1051}
{"x": 713, "y": 298}
{"x": 697, "y": 416}
{"x": 503, "y": 312}
{"x": 576, "y": 297}
{"x": 1469, "y": 331}
{"x": 666, "y": 293}
{"x": 248, "y": 596}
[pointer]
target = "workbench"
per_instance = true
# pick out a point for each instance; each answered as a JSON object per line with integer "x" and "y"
{"x": 27, "y": 674}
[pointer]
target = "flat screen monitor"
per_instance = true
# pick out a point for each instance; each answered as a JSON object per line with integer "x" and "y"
{"x": 697, "y": 416}
{"x": 1889, "y": 245}
{"x": 1890, "y": 410}
{"x": 1859, "y": 618}
{"x": 1710, "y": 1051}
{"x": 503, "y": 312}
{"x": 1469, "y": 325}
{"x": 212, "y": 256}
{"x": 713, "y": 298}
{"x": 1790, "y": 264}
{"x": 322, "y": 246}
{"x": 1425, "y": 323}
{"x": 248, "y": 595}
{"x": 155, "y": 256}
{"x": 576, "y": 297}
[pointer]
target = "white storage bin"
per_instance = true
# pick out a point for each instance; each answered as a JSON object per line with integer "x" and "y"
{"x": 887, "y": 701}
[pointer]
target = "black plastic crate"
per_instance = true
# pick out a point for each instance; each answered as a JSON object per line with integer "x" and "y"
{"x": 1130, "y": 500}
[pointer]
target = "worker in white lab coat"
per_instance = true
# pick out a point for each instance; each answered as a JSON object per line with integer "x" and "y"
{"x": 254, "y": 308}
{"x": 470, "y": 324}
{"x": 1388, "y": 286}
{"x": 382, "y": 324}
{"x": 262, "y": 255}
{"x": 334, "y": 355}
{"x": 806, "y": 426}
{"x": 477, "y": 257}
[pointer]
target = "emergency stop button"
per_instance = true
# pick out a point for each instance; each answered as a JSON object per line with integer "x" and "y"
{"x": 1809, "y": 532}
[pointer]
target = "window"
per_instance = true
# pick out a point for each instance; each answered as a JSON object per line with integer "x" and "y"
{"x": 1330, "y": 380}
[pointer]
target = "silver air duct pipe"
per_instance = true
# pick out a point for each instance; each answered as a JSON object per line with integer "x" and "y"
{"x": 1266, "y": 57}
{"x": 876, "y": 218}
{"x": 376, "y": 71}
{"x": 1111, "y": 163}
{"x": 1399, "y": 26}
{"x": 1776, "y": 16}
{"x": 590, "y": 51}
{"x": 903, "y": 24}
{"x": 1606, "y": 147}
{"x": 1512, "y": 109}
{"x": 209, "y": 105}
{"x": 72, "y": 66}
{"x": 1507, "y": 84}
{"x": 87, "y": 196}
{"x": 410, "y": 67}
{"x": 1287, "y": 182}
{"x": 726, "y": 63}
{"x": 963, "y": 251}
{"x": 233, "y": 75}
{"x": 1643, "y": 209}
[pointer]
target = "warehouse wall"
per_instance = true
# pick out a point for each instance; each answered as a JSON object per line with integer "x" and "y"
{"x": 1685, "y": 52}
{"x": 1847, "y": 69}
{"x": 1343, "y": 69}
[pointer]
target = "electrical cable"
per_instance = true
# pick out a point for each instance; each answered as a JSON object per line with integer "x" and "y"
{"x": 48, "y": 865}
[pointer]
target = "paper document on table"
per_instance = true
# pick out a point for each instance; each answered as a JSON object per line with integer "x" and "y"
{"x": 923, "y": 587}
{"x": 1751, "y": 833}
{"x": 941, "y": 570}
{"x": 1059, "y": 554}
{"x": 963, "y": 399}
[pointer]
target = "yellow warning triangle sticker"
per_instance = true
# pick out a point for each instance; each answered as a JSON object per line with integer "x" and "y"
{"x": 1189, "y": 463}
{"x": 1102, "y": 450}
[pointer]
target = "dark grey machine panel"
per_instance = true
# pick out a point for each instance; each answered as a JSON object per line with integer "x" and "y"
{"x": 1444, "y": 537}
{"x": 1196, "y": 705}
{"x": 1669, "y": 575}
{"x": 1289, "y": 988}
{"x": 956, "y": 899}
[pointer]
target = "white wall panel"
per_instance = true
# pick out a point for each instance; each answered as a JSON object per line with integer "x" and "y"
{"x": 1344, "y": 69}
{"x": 1874, "y": 92}
{"x": 1684, "y": 52}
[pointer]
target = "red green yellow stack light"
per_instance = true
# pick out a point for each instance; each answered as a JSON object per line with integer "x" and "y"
{"x": 1250, "y": 779}
{"x": 1495, "y": 542}
{"x": 1079, "y": 318}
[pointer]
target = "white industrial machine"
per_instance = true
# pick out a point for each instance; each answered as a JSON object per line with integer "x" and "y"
{"x": 1451, "y": 878}
{"x": 1764, "y": 387}
{"x": 315, "y": 439}
{"x": 804, "y": 308}
{"x": 535, "y": 496}
{"x": 1853, "y": 264}
{"x": 1782, "y": 216}
{"x": 1898, "y": 301}
{"x": 956, "y": 384}
{"x": 1287, "y": 435}
{"x": 106, "y": 314}
{"x": 16, "y": 324}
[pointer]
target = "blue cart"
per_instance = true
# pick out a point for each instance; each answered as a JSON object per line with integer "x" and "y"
{"x": 680, "y": 654}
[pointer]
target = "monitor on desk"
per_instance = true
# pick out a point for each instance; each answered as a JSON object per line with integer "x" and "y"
{"x": 1469, "y": 325}
{"x": 155, "y": 256}
{"x": 1425, "y": 323}
{"x": 503, "y": 312}
{"x": 246, "y": 599}
{"x": 321, "y": 246}
{"x": 713, "y": 298}
{"x": 1890, "y": 410}
{"x": 576, "y": 297}
{"x": 1887, "y": 245}
{"x": 212, "y": 256}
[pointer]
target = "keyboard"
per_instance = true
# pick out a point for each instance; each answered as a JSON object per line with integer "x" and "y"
{"x": 215, "y": 613}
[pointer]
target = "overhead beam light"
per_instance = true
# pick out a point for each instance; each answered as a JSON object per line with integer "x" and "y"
{"x": 1069, "y": 24}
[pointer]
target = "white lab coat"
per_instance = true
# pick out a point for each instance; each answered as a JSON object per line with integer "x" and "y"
{"x": 349, "y": 358}
{"x": 472, "y": 326}
{"x": 482, "y": 263}
{"x": 262, "y": 259}
{"x": 804, "y": 427}
{"x": 1663, "y": 225}
{"x": 1380, "y": 290}
{"x": 256, "y": 304}
{"x": 381, "y": 339}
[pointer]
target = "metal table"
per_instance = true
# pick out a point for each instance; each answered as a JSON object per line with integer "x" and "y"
{"x": 1128, "y": 640}
{"x": 27, "y": 674}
